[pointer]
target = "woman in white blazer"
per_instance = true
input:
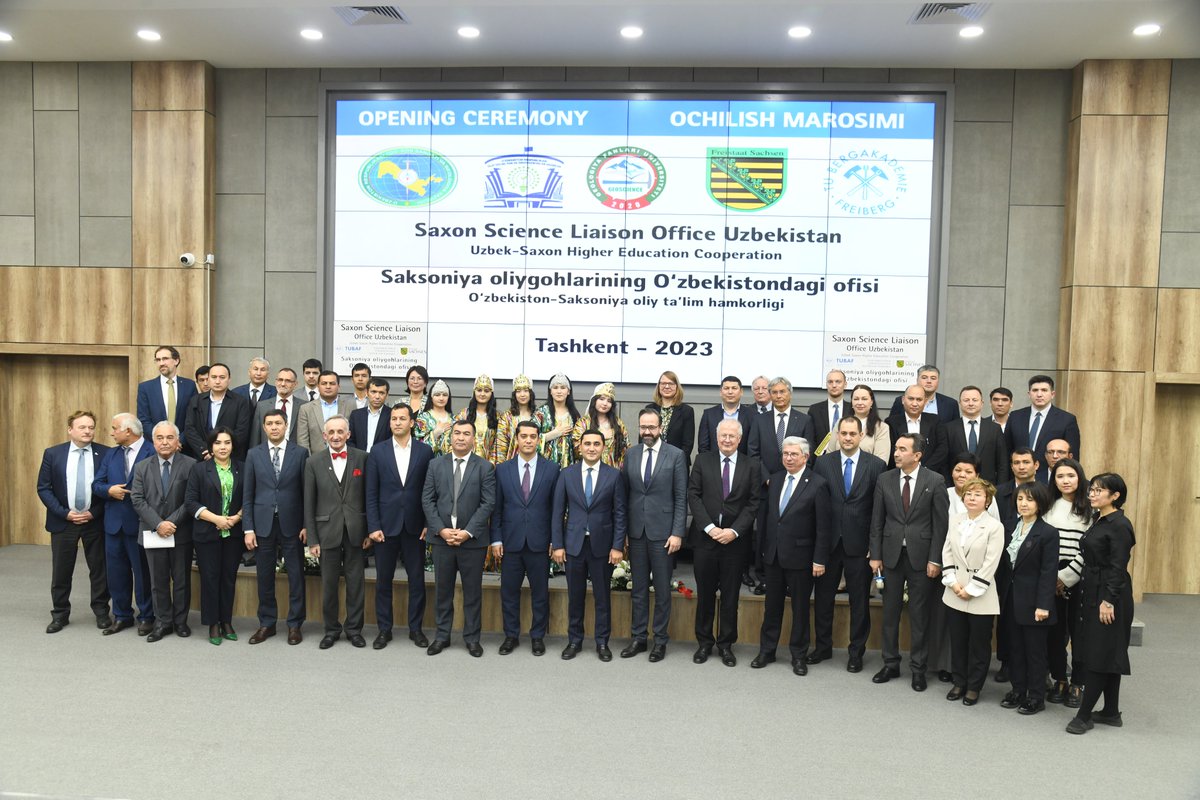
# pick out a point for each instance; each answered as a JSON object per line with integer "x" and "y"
{"x": 974, "y": 543}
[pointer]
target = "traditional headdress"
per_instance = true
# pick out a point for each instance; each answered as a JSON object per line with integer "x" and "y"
{"x": 483, "y": 382}
{"x": 607, "y": 390}
{"x": 560, "y": 380}
{"x": 440, "y": 387}
{"x": 522, "y": 382}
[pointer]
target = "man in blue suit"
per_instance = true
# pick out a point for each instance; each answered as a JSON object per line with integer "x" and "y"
{"x": 167, "y": 396}
{"x": 1041, "y": 422}
{"x": 521, "y": 536}
{"x": 124, "y": 558}
{"x": 257, "y": 389}
{"x": 730, "y": 407}
{"x": 273, "y": 523}
{"x": 587, "y": 532}
{"x": 396, "y": 520}
{"x": 73, "y": 515}
{"x": 369, "y": 425}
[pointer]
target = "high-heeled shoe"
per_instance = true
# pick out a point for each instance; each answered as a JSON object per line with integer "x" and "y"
{"x": 970, "y": 698}
{"x": 214, "y": 635}
{"x": 228, "y": 632}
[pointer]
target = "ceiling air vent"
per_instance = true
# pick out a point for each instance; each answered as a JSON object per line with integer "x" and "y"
{"x": 948, "y": 13}
{"x": 371, "y": 15}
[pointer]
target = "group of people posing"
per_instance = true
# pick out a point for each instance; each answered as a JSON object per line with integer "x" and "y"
{"x": 995, "y": 513}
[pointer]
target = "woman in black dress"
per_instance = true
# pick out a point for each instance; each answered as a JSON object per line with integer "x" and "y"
{"x": 678, "y": 419}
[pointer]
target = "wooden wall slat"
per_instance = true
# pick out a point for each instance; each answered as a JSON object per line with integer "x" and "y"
{"x": 1125, "y": 86}
{"x": 1110, "y": 327}
{"x": 1178, "y": 332}
{"x": 172, "y": 186}
{"x": 170, "y": 306}
{"x": 65, "y": 305}
{"x": 172, "y": 86}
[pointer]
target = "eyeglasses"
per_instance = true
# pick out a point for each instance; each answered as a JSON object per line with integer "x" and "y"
{"x": 1096, "y": 490}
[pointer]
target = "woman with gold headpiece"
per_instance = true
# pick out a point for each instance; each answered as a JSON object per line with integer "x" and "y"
{"x": 481, "y": 412}
{"x": 521, "y": 408}
{"x": 433, "y": 424}
{"x": 556, "y": 420}
{"x": 678, "y": 419}
{"x": 602, "y": 415}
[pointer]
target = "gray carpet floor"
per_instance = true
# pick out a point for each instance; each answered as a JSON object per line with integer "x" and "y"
{"x": 82, "y": 715}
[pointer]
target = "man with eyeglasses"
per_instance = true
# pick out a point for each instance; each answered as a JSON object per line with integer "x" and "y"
{"x": 1056, "y": 451}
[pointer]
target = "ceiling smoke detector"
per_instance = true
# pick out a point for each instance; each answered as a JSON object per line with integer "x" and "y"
{"x": 371, "y": 15}
{"x": 948, "y": 13}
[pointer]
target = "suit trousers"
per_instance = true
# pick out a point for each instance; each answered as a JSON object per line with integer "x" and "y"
{"x": 171, "y": 583}
{"x": 467, "y": 563}
{"x": 650, "y": 558}
{"x": 218, "y": 562}
{"x": 938, "y": 635}
{"x": 336, "y": 563}
{"x": 720, "y": 568}
{"x": 921, "y": 592}
{"x": 514, "y": 568}
{"x": 411, "y": 550}
{"x": 128, "y": 576}
{"x": 64, "y": 549}
{"x": 269, "y": 552}
{"x": 779, "y": 581}
{"x": 970, "y": 647}
{"x": 858, "y": 590}
{"x": 1027, "y": 657}
{"x": 1062, "y": 632}
{"x": 579, "y": 569}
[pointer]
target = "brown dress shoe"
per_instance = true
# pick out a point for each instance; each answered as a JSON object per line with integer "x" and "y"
{"x": 261, "y": 635}
{"x": 294, "y": 636}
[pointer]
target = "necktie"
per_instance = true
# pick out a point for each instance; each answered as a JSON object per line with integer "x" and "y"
{"x": 171, "y": 400}
{"x": 725, "y": 479}
{"x": 1033, "y": 429}
{"x": 283, "y": 408}
{"x": 275, "y": 461}
{"x": 81, "y": 480}
{"x": 906, "y": 495}
{"x": 837, "y": 410}
{"x": 973, "y": 439}
{"x": 787, "y": 494}
{"x": 312, "y": 395}
{"x": 649, "y": 466}
{"x": 780, "y": 430}
{"x": 342, "y": 454}
{"x": 125, "y": 456}
{"x": 587, "y": 486}
{"x": 254, "y": 397}
{"x": 848, "y": 475}
{"x": 526, "y": 482}
{"x": 166, "y": 477}
{"x": 458, "y": 468}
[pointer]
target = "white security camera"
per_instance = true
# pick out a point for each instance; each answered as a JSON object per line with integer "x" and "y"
{"x": 187, "y": 260}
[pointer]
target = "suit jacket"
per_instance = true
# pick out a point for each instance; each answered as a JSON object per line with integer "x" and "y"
{"x": 973, "y": 564}
{"x": 923, "y": 527}
{"x": 310, "y": 423}
{"x": 850, "y": 515}
{"x": 947, "y": 407}
{"x": 799, "y": 535}
{"x": 1006, "y": 502}
{"x": 1056, "y": 424}
{"x": 52, "y": 486}
{"x": 603, "y": 521}
{"x": 819, "y": 412}
{"x": 935, "y": 455}
{"x": 711, "y": 417}
{"x": 657, "y": 510}
{"x": 234, "y": 414}
{"x": 150, "y": 408}
{"x": 335, "y": 512}
{"x": 737, "y": 511}
{"x": 476, "y": 498}
{"x": 268, "y": 391}
{"x": 992, "y": 449}
{"x": 518, "y": 523}
{"x": 257, "y": 436}
{"x": 395, "y": 507}
{"x": 358, "y": 428}
{"x": 765, "y": 446}
{"x": 682, "y": 433}
{"x": 119, "y": 515}
{"x": 1034, "y": 575}
{"x": 204, "y": 491}
{"x": 152, "y": 506}
{"x": 265, "y": 493}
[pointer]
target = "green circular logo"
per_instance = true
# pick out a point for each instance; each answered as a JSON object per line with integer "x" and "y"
{"x": 408, "y": 177}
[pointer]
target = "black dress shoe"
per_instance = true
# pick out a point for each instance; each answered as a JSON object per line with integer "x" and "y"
{"x": 603, "y": 653}
{"x": 1030, "y": 707}
{"x": 702, "y": 653}
{"x": 886, "y": 674}
{"x": 437, "y": 646}
{"x": 475, "y": 649}
{"x": 56, "y": 625}
{"x": 762, "y": 659}
{"x": 357, "y": 639}
{"x": 970, "y": 698}
{"x": 418, "y": 638}
{"x": 1074, "y": 696}
{"x": 658, "y": 653}
{"x": 748, "y": 581}
{"x": 760, "y": 589}
{"x": 157, "y": 634}
{"x": 104, "y": 621}
{"x": 918, "y": 682}
{"x": 1058, "y": 693}
{"x": 727, "y": 656}
{"x": 183, "y": 631}
{"x": 144, "y": 628}
{"x": 508, "y": 645}
{"x": 381, "y": 640}
{"x": 854, "y": 665}
{"x": 1012, "y": 700}
{"x": 327, "y": 641}
{"x": 817, "y": 658}
{"x": 1113, "y": 720}
{"x": 118, "y": 626}
{"x": 538, "y": 646}
{"x": 956, "y": 693}
{"x": 634, "y": 647}
{"x": 1002, "y": 673}
{"x": 571, "y": 650}
{"x": 799, "y": 667}
{"x": 945, "y": 677}
{"x": 1078, "y": 726}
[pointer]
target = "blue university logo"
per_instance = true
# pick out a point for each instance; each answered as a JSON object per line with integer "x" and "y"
{"x": 865, "y": 182}
{"x": 524, "y": 180}
{"x": 407, "y": 177}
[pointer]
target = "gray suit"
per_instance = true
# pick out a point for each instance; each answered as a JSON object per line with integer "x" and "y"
{"x": 335, "y": 516}
{"x": 257, "y": 436}
{"x": 310, "y": 423}
{"x": 476, "y": 498}
{"x": 906, "y": 544}
{"x": 170, "y": 567}
{"x": 656, "y": 511}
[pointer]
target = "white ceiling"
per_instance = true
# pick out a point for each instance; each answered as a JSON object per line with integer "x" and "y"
{"x": 694, "y": 33}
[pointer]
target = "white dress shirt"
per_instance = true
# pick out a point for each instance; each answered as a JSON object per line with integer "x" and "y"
{"x": 721, "y": 457}
{"x": 646, "y": 451}
{"x": 403, "y": 455}
{"x": 372, "y": 425}
{"x": 339, "y": 464}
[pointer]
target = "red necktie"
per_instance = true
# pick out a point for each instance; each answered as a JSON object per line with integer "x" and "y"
{"x": 338, "y": 455}
{"x": 906, "y": 495}
{"x": 283, "y": 407}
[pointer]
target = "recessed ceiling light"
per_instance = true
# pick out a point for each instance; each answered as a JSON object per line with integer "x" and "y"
{"x": 5, "y": 36}
{"x": 632, "y": 32}
{"x": 312, "y": 33}
{"x": 149, "y": 35}
{"x": 971, "y": 31}
{"x": 1149, "y": 29}
{"x": 799, "y": 32}
{"x": 468, "y": 32}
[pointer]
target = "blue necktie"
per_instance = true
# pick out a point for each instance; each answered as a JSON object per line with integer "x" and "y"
{"x": 836, "y": 411}
{"x": 787, "y": 494}
{"x": 81, "y": 480}
{"x": 649, "y": 466}
{"x": 125, "y": 462}
{"x": 973, "y": 439}
{"x": 1033, "y": 431}
{"x": 587, "y": 486}
{"x": 848, "y": 475}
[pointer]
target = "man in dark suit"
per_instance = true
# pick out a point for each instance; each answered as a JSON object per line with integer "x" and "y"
{"x": 125, "y": 561}
{"x": 273, "y": 522}
{"x": 521, "y": 536}
{"x": 760, "y": 390}
{"x": 971, "y": 433}
{"x": 723, "y": 494}
{"x": 285, "y": 400}
{"x": 908, "y": 529}
{"x": 1001, "y": 400}
{"x": 459, "y": 494}
{"x": 257, "y": 389}
{"x": 74, "y": 515}
{"x": 158, "y": 493}
{"x": 795, "y": 520}
{"x": 941, "y": 406}
{"x": 587, "y": 531}
{"x": 769, "y": 430}
{"x": 167, "y": 396}
{"x": 1042, "y": 421}
{"x": 371, "y": 424}
{"x": 656, "y": 486}
{"x": 1025, "y": 467}
{"x": 218, "y": 408}
{"x": 913, "y": 420}
{"x": 396, "y": 519}
{"x": 851, "y": 475}
{"x": 1056, "y": 451}
{"x": 730, "y": 407}
{"x": 335, "y": 518}
{"x": 827, "y": 413}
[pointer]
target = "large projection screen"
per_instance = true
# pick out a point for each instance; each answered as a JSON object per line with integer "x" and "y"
{"x": 615, "y": 237}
